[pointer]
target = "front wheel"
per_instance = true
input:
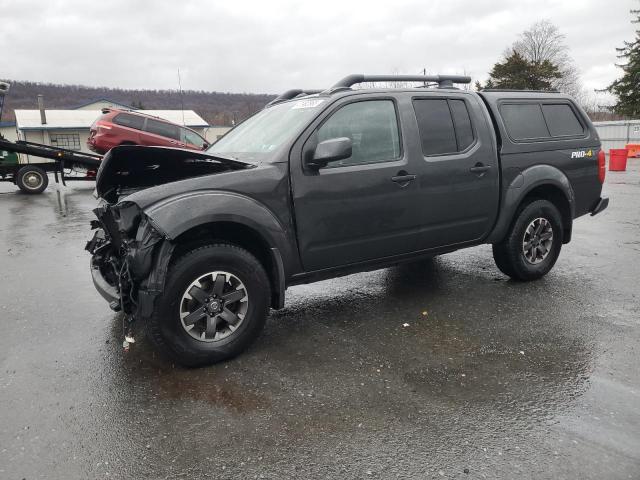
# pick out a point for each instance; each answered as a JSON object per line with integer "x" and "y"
{"x": 215, "y": 303}
{"x": 533, "y": 244}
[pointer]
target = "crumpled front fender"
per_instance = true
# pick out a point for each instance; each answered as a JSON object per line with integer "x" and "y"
{"x": 176, "y": 215}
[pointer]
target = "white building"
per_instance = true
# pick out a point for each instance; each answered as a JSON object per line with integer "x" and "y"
{"x": 101, "y": 103}
{"x": 8, "y": 131}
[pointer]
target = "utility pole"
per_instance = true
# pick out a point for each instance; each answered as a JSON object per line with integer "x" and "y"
{"x": 4, "y": 89}
{"x": 181, "y": 97}
{"x": 424, "y": 72}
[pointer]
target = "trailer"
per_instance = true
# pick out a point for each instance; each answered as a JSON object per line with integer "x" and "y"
{"x": 66, "y": 165}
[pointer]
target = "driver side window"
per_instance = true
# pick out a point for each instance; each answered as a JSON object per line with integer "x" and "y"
{"x": 372, "y": 126}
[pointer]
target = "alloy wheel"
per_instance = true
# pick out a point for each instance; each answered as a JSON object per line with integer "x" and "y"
{"x": 537, "y": 240}
{"x": 214, "y": 306}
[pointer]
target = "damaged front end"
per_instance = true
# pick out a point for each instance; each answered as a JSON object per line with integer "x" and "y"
{"x": 126, "y": 250}
{"x": 129, "y": 253}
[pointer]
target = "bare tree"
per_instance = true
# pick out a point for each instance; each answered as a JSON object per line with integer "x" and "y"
{"x": 467, "y": 86}
{"x": 543, "y": 41}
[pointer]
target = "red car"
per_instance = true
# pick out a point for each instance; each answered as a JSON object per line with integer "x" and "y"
{"x": 121, "y": 127}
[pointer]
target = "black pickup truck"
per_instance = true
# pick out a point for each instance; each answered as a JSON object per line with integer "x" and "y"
{"x": 198, "y": 246}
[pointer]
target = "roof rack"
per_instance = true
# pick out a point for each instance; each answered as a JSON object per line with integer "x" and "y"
{"x": 106, "y": 110}
{"x": 443, "y": 81}
{"x": 518, "y": 90}
{"x": 289, "y": 94}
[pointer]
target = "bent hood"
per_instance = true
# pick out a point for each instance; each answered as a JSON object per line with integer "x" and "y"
{"x": 130, "y": 168}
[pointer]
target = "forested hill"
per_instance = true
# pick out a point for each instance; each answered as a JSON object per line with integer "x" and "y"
{"x": 216, "y": 108}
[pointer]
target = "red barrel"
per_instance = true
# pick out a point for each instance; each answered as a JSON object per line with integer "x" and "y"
{"x": 634, "y": 150}
{"x": 618, "y": 159}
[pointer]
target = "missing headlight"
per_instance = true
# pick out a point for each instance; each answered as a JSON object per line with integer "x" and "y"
{"x": 127, "y": 217}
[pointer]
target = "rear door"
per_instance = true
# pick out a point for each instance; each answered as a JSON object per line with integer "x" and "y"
{"x": 457, "y": 169}
{"x": 163, "y": 134}
{"x": 129, "y": 127}
{"x": 359, "y": 208}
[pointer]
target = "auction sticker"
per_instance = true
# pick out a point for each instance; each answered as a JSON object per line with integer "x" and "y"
{"x": 308, "y": 103}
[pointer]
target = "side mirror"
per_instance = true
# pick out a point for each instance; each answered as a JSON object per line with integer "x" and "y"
{"x": 330, "y": 151}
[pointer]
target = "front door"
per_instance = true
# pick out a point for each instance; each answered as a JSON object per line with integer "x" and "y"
{"x": 359, "y": 208}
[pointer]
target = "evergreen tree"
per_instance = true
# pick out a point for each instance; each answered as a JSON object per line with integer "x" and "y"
{"x": 516, "y": 72}
{"x": 627, "y": 88}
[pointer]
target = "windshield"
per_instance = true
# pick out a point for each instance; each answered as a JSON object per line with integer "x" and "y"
{"x": 258, "y": 136}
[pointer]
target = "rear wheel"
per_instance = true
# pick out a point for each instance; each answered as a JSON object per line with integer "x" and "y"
{"x": 533, "y": 244}
{"x": 215, "y": 303}
{"x": 32, "y": 179}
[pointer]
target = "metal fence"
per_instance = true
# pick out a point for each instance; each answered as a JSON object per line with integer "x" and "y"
{"x": 617, "y": 134}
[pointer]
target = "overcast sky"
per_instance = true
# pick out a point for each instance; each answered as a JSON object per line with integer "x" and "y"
{"x": 270, "y": 46}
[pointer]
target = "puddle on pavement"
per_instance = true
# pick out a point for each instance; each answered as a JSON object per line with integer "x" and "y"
{"x": 162, "y": 380}
{"x": 180, "y": 385}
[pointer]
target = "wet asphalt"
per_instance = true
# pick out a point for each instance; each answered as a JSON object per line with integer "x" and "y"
{"x": 440, "y": 369}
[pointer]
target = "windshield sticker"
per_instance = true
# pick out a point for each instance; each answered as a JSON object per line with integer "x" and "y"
{"x": 308, "y": 103}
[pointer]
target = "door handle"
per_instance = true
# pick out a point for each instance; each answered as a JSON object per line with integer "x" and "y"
{"x": 403, "y": 178}
{"x": 480, "y": 168}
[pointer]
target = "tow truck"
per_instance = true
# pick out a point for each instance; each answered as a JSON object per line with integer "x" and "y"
{"x": 66, "y": 165}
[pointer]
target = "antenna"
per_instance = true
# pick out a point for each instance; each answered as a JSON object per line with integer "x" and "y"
{"x": 181, "y": 97}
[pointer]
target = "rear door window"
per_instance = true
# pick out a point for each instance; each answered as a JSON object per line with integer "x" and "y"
{"x": 462, "y": 121}
{"x": 561, "y": 120}
{"x": 444, "y": 124}
{"x": 524, "y": 121}
{"x": 131, "y": 121}
{"x": 436, "y": 126}
{"x": 163, "y": 129}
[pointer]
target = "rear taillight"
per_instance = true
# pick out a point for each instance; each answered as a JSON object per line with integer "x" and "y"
{"x": 99, "y": 125}
{"x": 601, "y": 166}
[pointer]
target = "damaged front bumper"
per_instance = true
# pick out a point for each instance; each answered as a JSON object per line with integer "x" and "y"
{"x": 105, "y": 289}
{"x": 129, "y": 258}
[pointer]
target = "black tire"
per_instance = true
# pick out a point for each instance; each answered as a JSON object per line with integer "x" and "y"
{"x": 502, "y": 261}
{"x": 165, "y": 327}
{"x": 509, "y": 254}
{"x": 32, "y": 179}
